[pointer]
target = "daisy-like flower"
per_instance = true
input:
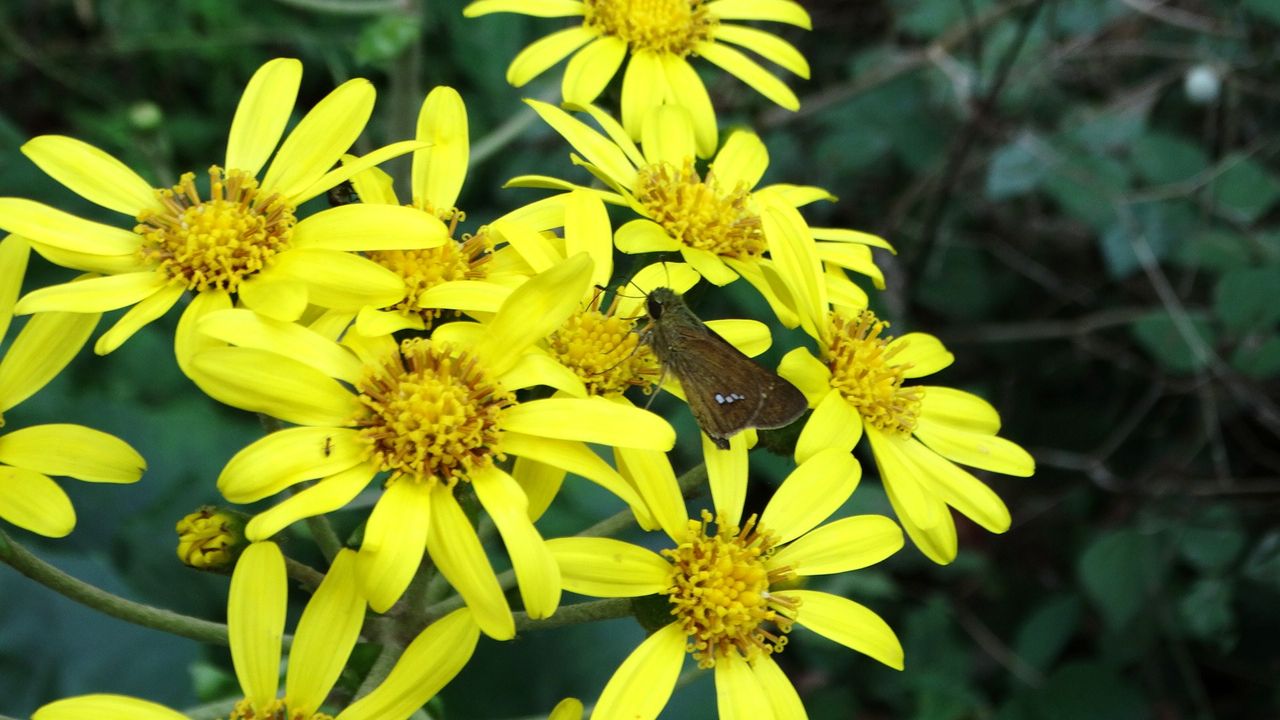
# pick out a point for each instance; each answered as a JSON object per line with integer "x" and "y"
{"x": 29, "y": 498}
{"x": 721, "y": 223}
{"x": 430, "y": 412}
{"x": 326, "y": 633}
{"x": 462, "y": 273}
{"x": 919, "y": 434}
{"x": 659, "y": 36}
{"x": 728, "y": 584}
{"x": 242, "y": 239}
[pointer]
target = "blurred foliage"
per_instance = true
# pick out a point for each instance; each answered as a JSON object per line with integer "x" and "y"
{"x": 1086, "y": 199}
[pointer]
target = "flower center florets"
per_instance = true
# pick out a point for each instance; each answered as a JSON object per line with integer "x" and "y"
{"x": 278, "y": 710}
{"x": 697, "y": 213}
{"x": 665, "y": 26}
{"x": 604, "y": 352}
{"x": 426, "y": 268}
{"x": 862, "y": 368}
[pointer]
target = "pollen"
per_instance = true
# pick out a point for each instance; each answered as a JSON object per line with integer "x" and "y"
{"x": 863, "y": 370}
{"x": 720, "y": 592}
{"x": 665, "y": 26}
{"x": 219, "y": 242}
{"x": 277, "y": 710}
{"x": 431, "y": 414}
{"x": 424, "y": 269}
{"x": 697, "y": 213}
{"x": 604, "y": 352}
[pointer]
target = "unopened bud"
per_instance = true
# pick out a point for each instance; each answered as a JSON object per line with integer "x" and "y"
{"x": 210, "y": 538}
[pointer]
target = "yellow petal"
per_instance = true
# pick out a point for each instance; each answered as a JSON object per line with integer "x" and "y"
{"x": 62, "y": 230}
{"x": 654, "y": 479}
{"x": 40, "y": 351}
{"x": 959, "y": 409}
{"x": 641, "y": 686}
{"x": 440, "y": 168}
{"x": 975, "y": 449}
{"x": 466, "y": 295}
{"x": 262, "y": 114}
{"x": 533, "y": 311}
{"x": 327, "y": 631}
{"x": 764, "y": 277}
{"x": 798, "y": 196}
{"x": 766, "y": 45}
{"x": 320, "y": 138}
{"x": 14, "y": 252}
{"x": 727, "y": 476}
{"x": 287, "y": 457}
{"x": 533, "y": 246}
{"x": 373, "y": 186}
{"x": 92, "y": 174}
{"x": 573, "y": 457}
{"x": 339, "y": 280}
{"x": 739, "y": 695}
{"x": 260, "y": 381}
{"x": 256, "y": 606}
{"x": 591, "y": 68}
{"x": 939, "y": 542}
{"x": 538, "y": 369}
{"x": 330, "y": 494}
{"x": 811, "y": 493}
{"x": 619, "y": 136}
{"x": 604, "y": 567}
{"x": 750, "y": 72}
{"x": 842, "y": 292}
{"x": 783, "y": 698}
{"x": 834, "y": 424}
{"x": 848, "y": 623}
{"x": 428, "y": 664}
{"x": 835, "y": 234}
{"x": 899, "y": 469}
{"x": 34, "y": 502}
{"x": 248, "y": 329}
{"x": 802, "y": 369}
{"x": 690, "y": 94}
{"x": 92, "y": 295}
{"x": 587, "y": 230}
{"x": 274, "y": 295}
{"x": 680, "y": 277}
{"x": 923, "y": 354}
{"x": 567, "y": 709}
{"x": 72, "y": 451}
{"x": 373, "y": 323}
{"x": 540, "y": 482}
{"x": 105, "y": 707}
{"x": 846, "y": 544}
{"x": 457, "y": 552}
{"x": 796, "y": 257}
{"x": 361, "y": 227}
{"x": 852, "y": 257}
{"x": 708, "y": 265}
{"x": 751, "y": 337}
{"x": 668, "y": 137}
{"x": 395, "y": 537}
{"x": 594, "y": 420}
{"x": 536, "y": 571}
{"x": 644, "y": 87}
{"x": 599, "y": 150}
{"x": 532, "y": 61}
{"x": 741, "y": 162}
{"x": 958, "y": 488}
{"x": 148, "y": 309}
{"x": 353, "y": 167}
{"x": 535, "y": 8}
{"x": 187, "y": 341}
{"x": 783, "y": 11}
{"x": 644, "y": 236}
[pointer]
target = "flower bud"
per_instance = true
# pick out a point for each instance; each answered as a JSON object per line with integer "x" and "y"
{"x": 210, "y": 538}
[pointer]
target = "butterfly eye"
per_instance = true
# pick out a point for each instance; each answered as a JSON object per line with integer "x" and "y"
{"x": 654, "y": 306}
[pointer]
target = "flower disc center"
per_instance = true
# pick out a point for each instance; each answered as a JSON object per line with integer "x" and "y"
{"x": 604, "y": 352}
{"x": 696, "y": 213}
{"x": 278, "y": 710}
{"x": 424, "y": 269}
{"x": 665, "y": 26}
{"x": 219, "y": 242}
{"x": 862, "y": 370}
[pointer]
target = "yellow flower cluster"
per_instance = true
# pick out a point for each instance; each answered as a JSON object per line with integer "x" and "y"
{"x": 445, "y": 372}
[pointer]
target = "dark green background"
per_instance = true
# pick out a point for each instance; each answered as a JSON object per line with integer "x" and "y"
{"x": 1067, "y": 216}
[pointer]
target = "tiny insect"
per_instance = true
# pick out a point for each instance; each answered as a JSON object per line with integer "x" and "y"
{"x": 727, "y": 391}
{"x": 328, "y": 446}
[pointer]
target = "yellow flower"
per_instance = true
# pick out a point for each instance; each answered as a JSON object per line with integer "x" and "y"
{"x": 326, "y": 633}
{"x": 660, "y": 36}
{"x": 721, "y": 223}
{"x": 242, "y": 239}
{"x": 430, "y": 412}
{"x": 29, "y": 498}
{"x": 918, "y": 433}
{"x": 728, "y": 588}
{"x": 464, "y": 273}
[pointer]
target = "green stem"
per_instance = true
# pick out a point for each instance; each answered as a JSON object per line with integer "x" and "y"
{"x": 347, "y": 7}
{"x": 303, "y": 574}
{"x": 383, "y": 665}
{"x": 137, "y": 613}
{"x": 576, "y": 614}
{"x": 498, "y": 138}
{"x": 322, "y": 532}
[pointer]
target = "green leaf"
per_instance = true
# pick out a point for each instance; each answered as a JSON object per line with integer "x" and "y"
{"x": 1206, "y": 612}
{"x": 1120, "y": 570}
{"x": 1164, "y": 226}
{"x": 1092, "y": 691}
{"x": 1087, "y": 186}
{"x": 1163, "y": 158}
{"x": 1246, "y": 299}
{"x": 1258, "y": 358}
{"x": 1245, "y": 190}
{"x": 386, "y": 38}
{"x": 1103, "y": 131}
{"x": 1043, "y": 636}
{"x": 1212, "y": 539}
{"x": 1215, "y": 249}
{"x": 1163, "y": 339}
{"x": 1265, "y": 9}
{"x": 1017, "y": 168}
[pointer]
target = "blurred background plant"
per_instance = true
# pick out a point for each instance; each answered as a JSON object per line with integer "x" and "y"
{"x": 1084, "y": 194}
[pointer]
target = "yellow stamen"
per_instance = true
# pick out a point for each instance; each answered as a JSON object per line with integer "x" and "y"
{"x": 720, "y": 592}
{"x": 602, "y": 350}
{"x": 425, "y": 269}
{"x": 697, "y": 213}
{"x": 665, "y": 26}
{"x": 431, "y": 415}
{"x": 219, "y": 242}
{"x": 862, "y": 368}
{"x": 278, "y": 710}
